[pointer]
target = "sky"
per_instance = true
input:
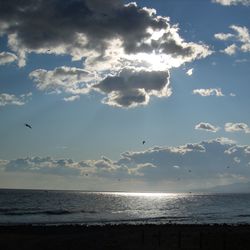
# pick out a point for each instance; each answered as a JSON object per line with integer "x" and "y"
{"x": 96, "y": 78}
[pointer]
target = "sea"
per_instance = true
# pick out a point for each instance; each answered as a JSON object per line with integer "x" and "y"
{"x": 49, "y": 207}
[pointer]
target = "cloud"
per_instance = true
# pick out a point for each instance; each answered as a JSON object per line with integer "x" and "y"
{"x": 71, "y": 98}
{"x": 241, "y": 39}
{"x": 9, "y": 99}
{"x": 236, "y": 159}
{"x": 101, "y": 35}
{"x": 68, "y": 80}
{"x": 7, "y": 57}
{"x": 175, "y": 166}
{"x": 197, "y": 165}
{"x": 208, "y": 92}
{"x": 236, "y": 127}
{"x": 131, "y": 88}
{"x": 90, "y": 26}
{"x": 190, "y": 72}
{"x": 243, "y": 36}
{"x": 68, "y": 167}
{"x": 207, "y": 161}
{"x": 232, "y": 2}
{"x": 244, "y": 60}
{"x": 207, "y": 127}
{"x": 223, "y": 36}
{"x": 230, "y": 50}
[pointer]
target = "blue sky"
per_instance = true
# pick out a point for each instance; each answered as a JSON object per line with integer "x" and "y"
{"x": 96, "y": 78}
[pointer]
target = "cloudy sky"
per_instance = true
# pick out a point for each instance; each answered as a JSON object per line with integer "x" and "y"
{"x": 96, "y": 78}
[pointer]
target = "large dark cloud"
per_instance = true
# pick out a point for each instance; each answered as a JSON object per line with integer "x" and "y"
{"x": 132, "y": 87}
{"x": 108, "y": 36}
{"x": 41, "y": 24}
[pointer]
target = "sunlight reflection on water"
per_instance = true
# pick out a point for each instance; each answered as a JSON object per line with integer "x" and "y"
{"x": 158, "y": 195}
{"x": 27, "y": 206}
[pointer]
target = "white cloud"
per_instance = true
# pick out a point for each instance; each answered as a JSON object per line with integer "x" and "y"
{"x": 242, "y": 33}
{"x": 244, "y": 60}
{"x": 241, "y": 39}
{"x": 208, "y": 92}
{"x": 10, "y": 99}
{"x": 223, "y": 37}
{"x": 236, "y": 159}
{"x": 247, "y": 150}
{"x": 7, "y": 57}
{"x": 207, "y": 127}
{"x": 232, "y": 2}
{"x": 190, "y": 72}
{"x": 63, "y": 79}
{"x": 224, "y": 140}
{"x": 175, "y": 166}
{"x": 243, "y": 36}
{"x": 71, "y": 98}
{"x": 230, "y": 50}
{"x": 236, "y": 127}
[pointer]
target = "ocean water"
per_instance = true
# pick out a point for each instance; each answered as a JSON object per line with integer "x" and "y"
{"x": 77, "y": 207}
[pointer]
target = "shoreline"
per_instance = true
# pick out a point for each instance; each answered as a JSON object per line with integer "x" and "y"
{"x": 147, "y": 236}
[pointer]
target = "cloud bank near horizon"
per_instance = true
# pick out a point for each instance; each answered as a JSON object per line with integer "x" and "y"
{"x": 217, "y": 161}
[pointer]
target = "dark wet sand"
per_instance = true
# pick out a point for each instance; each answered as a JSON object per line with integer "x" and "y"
{"x": 121, "y": 237}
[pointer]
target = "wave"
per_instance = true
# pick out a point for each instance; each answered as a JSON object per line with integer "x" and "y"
{"x": 142, "y": 221}
{"x": 243, "y": 215}
{"x": 13, "y": 212}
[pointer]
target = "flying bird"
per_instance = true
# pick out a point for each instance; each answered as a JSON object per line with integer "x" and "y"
{"x": 28, "y": 126}
{"x": 143, "y": 142}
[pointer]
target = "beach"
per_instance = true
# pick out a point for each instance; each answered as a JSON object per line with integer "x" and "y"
{"x": 168, "y": 236}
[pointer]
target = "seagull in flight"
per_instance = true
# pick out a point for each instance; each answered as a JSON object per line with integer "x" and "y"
{"x": 28, "y": 126}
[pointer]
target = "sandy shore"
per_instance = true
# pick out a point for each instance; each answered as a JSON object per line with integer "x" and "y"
{"x": 126, "y": 237}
